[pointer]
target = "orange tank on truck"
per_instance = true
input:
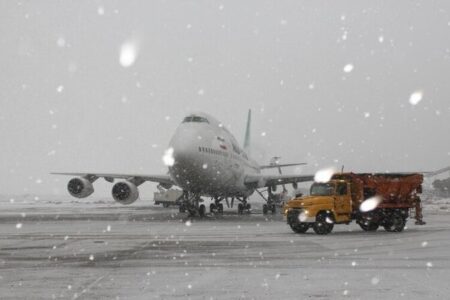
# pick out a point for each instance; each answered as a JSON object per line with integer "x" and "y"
{"x": 372, "y": 200}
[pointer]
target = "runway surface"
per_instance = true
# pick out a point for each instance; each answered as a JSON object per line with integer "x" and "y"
{"x": 107, "y": 251}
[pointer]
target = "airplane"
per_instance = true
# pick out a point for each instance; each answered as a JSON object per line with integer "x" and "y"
{"x": 203, "y": 159}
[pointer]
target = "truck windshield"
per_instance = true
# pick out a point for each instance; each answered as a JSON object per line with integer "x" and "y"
{"x": 322, "y": 189}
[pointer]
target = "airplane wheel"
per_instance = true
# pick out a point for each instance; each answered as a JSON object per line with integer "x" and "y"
{"x": 240, "y": 208}
{"x": 265, "y": 209}
{"x": 220, "y": 208}
{"x": 202, "y": 210}
{"x": 212, "y": 208}
{"x": 273, "y": 208}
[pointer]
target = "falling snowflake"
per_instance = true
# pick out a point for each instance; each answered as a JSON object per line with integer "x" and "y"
{"x": 370, "y": 204}
{"x": 302, "y": 217}
{"x": 61, "y": 42}
{"x": 348, "y": 68}
{"x": 18, "y": 225}
{"x": 168, "y": 158}
{"x": 375, "y": 280}
{"x": 128, "y": 53}
{"x": 366, "y": 114}
{"x": 381, "y": 39}
{"x": 205, "y": 166}
{"x": 188, "y": 223}
{"x": 424, "y": 244}
{"x": 416, "y": 97}
{"x": 101, "y": 10}
{"x": 324, "y": 175}
{"x": 108, "y": 228}
{"x": 91, "y": 257}
{"x": 60, "y": 89}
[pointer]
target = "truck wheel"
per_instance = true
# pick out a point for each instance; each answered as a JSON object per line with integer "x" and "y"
{"x": 295, "y": 224}
{"x": 396, "y": 223}
{"x": 299, "y": 227}
{"x": 368, "y": 226}
{"x": 321, "y": 226}
{"x": 265, "y": 209}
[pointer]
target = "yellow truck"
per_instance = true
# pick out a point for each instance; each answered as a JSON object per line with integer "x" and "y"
{"x": 372, "y": 200}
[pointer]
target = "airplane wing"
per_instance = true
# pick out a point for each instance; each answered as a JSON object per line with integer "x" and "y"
{"x": 259, "y": 181}
{"x": 437, "y": 172}
{"x": 273, "y": 166}
{"x": 164, "y": 179}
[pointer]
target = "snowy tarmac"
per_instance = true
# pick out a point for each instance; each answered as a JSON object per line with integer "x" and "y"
{"x": 106, "y": 251}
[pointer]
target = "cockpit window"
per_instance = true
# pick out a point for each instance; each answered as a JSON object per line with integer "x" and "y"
{"x": 196, "y": 119}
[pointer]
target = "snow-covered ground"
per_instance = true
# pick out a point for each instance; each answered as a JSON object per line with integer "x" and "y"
{"x": 68, "y": 248}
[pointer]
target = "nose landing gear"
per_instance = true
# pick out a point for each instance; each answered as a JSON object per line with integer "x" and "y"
{"x": 191, "y": 203}
{"x": 244, "y": 206}
{"x": 216, "y": 207}
{"x": 272, "y": 200}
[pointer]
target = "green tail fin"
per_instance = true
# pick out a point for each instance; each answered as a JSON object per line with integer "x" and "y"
{"x": 247, "y": 130}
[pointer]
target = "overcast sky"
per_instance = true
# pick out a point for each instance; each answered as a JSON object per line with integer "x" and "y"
{"x": 363, "y": 84}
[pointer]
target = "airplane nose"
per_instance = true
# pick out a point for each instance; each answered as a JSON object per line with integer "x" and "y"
{"x": 185, "y": 145}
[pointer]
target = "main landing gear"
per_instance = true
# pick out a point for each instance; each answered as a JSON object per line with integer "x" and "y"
{"x": 243, "y": 206}
{"x": 216, "y": 207}
{"x": 192, "y": 203}
{"x": 271, "y": 204}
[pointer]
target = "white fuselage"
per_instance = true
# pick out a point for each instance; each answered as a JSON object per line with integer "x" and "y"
{"x": 208, "y": 160}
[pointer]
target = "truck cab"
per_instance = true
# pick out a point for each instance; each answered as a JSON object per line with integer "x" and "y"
{"x": 332, "y": 200}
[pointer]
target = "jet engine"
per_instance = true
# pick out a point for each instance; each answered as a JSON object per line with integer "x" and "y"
{"x": 80, "y": 187}
{"x": 125, "y": 192}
